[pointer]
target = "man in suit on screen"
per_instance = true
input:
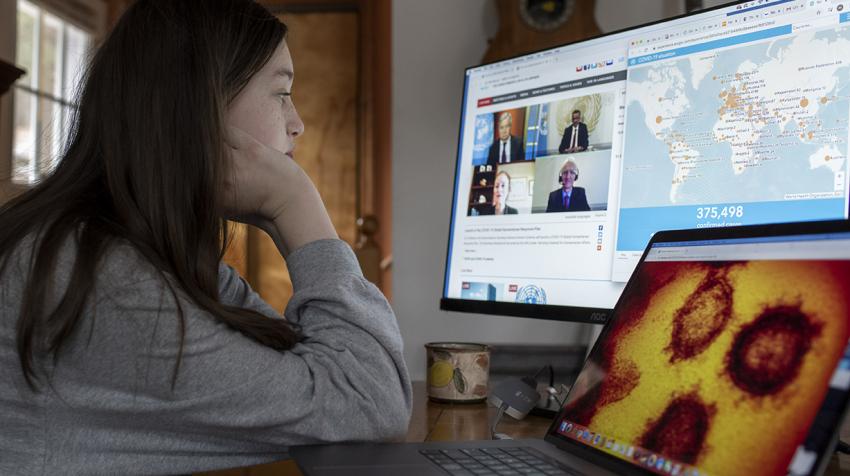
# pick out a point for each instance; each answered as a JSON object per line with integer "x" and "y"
{"x": 568, "y": 198}
{"x": 506, "y": 148}
{"x": 575, "y": 137}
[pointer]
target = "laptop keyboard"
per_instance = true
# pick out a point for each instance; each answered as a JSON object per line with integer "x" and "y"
{"x": 498, "y": 461}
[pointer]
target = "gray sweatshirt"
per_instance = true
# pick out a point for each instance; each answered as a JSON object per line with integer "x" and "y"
{"x": 110, "y": 408}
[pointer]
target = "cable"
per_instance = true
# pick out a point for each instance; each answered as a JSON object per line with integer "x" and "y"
{"x": 842, "y": 447}
{"x": 493, "y": 434}
{"x": 549, "y": 396}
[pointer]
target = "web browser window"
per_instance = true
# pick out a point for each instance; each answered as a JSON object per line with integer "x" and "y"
{"x": 538, "y": 176}
{"x": 738, "y": 118}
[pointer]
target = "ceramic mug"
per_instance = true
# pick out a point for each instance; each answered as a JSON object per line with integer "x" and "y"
{"x": 457, "y": 372}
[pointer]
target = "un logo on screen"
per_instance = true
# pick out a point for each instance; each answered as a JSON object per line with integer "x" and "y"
{"x": 483, "y": 138}
{"x": 484, "y": 129}
{"x": 531, "y": 294}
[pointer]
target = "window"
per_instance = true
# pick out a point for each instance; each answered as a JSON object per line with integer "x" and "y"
{"x": 53, "y": 53}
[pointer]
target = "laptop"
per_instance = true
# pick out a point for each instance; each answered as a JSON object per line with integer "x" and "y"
{"x": 727, "y": 353}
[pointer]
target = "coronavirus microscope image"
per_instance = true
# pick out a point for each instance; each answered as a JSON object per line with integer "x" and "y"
{"x": 705, "y": 362}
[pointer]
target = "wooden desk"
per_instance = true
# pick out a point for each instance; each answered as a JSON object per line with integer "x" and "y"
{"x": 446, "y": 422}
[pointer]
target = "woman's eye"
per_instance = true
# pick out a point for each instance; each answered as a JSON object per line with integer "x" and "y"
{"x": 284, "y": 96}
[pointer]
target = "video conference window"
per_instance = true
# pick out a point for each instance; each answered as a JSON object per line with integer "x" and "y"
{"x": 579, "y": 124}
{"x": 502, "y": 190}
{"x": 552, "y": 145}
{"x": 499, "y": 137}
{"x": 571, "y": 184}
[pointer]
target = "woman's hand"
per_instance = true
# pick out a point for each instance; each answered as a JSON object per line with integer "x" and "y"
{"x": 266, "y": 188}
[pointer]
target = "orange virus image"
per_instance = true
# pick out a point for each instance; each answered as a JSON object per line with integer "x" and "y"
{"x": 680, "y": 431}
{"x": 767, "y": 353}
{"x": 719, "y": 365}
{"x": 701, "y": 318}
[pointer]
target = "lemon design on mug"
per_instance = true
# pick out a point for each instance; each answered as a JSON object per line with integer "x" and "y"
{"x": 442, "y": 373}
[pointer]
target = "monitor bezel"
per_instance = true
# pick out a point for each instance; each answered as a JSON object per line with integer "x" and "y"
{"x": 591, "y": 315}
{"x": 565, "y": 313}
{"x": 746, "y": 231}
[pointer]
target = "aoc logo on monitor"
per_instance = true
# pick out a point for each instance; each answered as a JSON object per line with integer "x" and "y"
{"x": 531, "y": 294}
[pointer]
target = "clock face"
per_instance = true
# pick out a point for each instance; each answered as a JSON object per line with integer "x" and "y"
{"x": 545, "y": 15}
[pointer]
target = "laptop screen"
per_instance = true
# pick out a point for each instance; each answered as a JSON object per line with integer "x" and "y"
{"x": 723, "y": 357}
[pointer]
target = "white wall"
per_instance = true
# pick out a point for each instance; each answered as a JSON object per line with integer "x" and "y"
{"x": 433, "y": 42}
{"x": 612, "y": 15}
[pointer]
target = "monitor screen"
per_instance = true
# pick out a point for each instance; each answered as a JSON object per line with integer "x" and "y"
{"x": 724, "y": 356}
{"x": 569, "y": 159}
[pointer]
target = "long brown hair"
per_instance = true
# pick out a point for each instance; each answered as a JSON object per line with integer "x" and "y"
{"x": 145, "y": 163}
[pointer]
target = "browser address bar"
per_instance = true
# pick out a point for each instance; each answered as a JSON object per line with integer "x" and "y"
{"x": 709, "y": 36}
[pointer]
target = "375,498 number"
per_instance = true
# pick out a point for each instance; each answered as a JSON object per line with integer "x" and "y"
{"x": 731, "y": 211}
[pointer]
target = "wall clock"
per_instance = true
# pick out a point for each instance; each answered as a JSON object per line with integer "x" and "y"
{"x": 546, "y": 15}
{"x": 531, "y": 25}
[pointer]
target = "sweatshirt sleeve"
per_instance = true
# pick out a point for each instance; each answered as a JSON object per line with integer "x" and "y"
{"x": 346, "y": 380}
{"x": 231, "y": 399}
{"x": 233, "y": 290}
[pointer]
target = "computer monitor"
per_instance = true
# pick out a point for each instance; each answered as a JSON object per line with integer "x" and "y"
{"x": 569, "y": 159}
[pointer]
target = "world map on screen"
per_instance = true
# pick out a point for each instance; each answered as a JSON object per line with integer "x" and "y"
{"x": 761, "y": 122}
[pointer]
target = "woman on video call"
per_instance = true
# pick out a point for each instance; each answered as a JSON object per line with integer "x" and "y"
{"x": 126, "y": 346}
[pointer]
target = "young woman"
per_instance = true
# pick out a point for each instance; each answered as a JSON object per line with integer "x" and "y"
{"x": 125, "y": 345}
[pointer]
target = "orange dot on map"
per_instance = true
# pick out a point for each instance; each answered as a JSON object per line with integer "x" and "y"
{"x": 810, "y": 136}
{"x": 823, "y": 100}
{"x": 658, "y": 119}
{"x": 804, "y": 102}
{"x": 827, "y": 158}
